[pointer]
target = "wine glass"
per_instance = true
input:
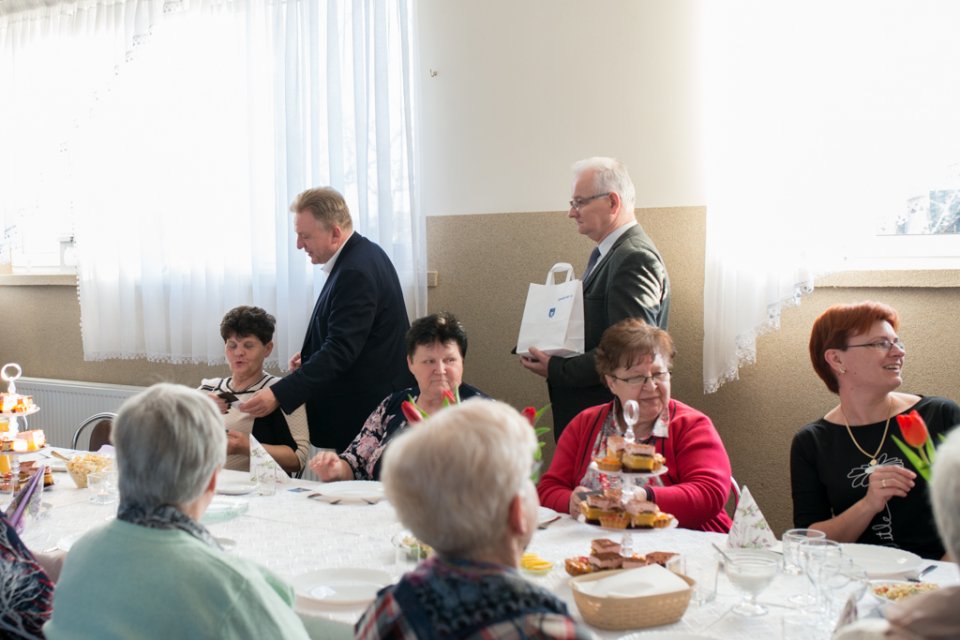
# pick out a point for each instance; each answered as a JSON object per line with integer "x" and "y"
{"x": 631, "y": 415}
{"x": 751, "y": 571}
{"x": 840, "y": 579}
{"x": 813, "y": 552}
{"x": 791, "y": 547}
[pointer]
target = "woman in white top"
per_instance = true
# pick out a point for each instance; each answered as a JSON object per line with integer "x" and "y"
{"x": 248, "y": 339}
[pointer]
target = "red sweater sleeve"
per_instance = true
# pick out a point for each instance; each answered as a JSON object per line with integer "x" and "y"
{"x": 698, "y": 480}
{"x": 571, "y": 458}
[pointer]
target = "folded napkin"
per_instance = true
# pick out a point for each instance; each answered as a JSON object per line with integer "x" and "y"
{"x": 262, "y": 464}
{"x": 750, "y": 529}
{"x": 650, "y": 580}
{"x": 26, "y": 502}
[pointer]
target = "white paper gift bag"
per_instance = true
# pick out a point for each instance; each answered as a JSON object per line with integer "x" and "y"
{"x": 553, "y": 315}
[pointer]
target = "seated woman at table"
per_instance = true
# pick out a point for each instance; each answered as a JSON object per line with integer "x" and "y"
{"x": 436, "y": 347}
{"x": 849, "y": 479}
{"x": 247, "y": 334}
{"x": 932, "y": 615}
{"x": 634, "y": 360}
{"x": 155, "y": 571}
{"x": 26, "y": 587}
{"x": 461, "y": 483}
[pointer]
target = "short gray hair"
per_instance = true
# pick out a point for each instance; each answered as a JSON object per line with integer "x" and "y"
{"x": 611, "y": 175}
{"x": 452, "y": 478}
{"x": 945, "y": 493}
{"x": 169, "y": 440}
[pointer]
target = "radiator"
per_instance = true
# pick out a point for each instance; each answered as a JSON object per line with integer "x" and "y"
{"x": 64, "y": 404}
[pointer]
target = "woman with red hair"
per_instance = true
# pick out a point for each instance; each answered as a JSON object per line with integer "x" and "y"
{"x": 849, "y": 479}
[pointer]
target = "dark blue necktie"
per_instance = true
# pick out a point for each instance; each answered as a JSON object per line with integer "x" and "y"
{"x": 592, "y": 262}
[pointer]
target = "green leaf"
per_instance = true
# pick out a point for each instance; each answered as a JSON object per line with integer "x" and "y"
{"x": 922, "y": 467}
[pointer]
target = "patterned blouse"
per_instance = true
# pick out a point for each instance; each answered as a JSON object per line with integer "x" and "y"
{"x": 363, "y": 454}
{"x": 445, "y": 598}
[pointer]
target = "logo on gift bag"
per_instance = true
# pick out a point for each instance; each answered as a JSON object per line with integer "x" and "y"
{"x": 552, "y": 312}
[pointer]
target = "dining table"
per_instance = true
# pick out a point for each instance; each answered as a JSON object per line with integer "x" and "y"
{"x": 308, "y": 528}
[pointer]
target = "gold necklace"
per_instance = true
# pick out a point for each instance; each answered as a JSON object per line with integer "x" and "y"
{"x": 873, "y": 458}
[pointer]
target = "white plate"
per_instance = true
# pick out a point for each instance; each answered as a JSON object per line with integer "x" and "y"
{"x": 353, "y": 491}
{"x": 222, "y": 509}
{"x": 66, "y": 542}
{"x": 673, "y": 525}
{"x": 235, "y": 487}
{"x": 667, "y": 635}
{"x": 545, "y": 515}
{"x": 631, "y": 474}
{"x": 340, "y": 586}
{"x": 883, "y": 562}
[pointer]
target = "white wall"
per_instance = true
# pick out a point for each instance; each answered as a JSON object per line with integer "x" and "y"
{"x": 523, "y": 88}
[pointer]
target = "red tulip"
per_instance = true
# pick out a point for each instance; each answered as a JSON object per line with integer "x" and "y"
{"x": 913, "y": 429}
{"x": 411, "y": 412}
{"x": 530, "y": 414}
{"x": 449, "y": 398}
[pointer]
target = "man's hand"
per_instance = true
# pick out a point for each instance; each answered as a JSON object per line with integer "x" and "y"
{"x": 261, "y": 404}
{"x": 294, "y": 363}
{"x": 537, "y": 361}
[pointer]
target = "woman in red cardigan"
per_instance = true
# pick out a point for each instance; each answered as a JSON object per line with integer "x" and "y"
{"x": 634, "y": 360}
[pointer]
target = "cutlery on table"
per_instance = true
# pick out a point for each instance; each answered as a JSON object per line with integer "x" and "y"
{"x": 922, "y": 573}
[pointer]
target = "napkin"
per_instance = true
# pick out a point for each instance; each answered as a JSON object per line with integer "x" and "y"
{"x": 262, "y": 464}
{"x": 750, "y": 529}
{"x": 650, "y": 580}
{"x": 26, "y": 501}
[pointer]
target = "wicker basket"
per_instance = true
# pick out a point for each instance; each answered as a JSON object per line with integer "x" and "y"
{"x": 629, "y": 613}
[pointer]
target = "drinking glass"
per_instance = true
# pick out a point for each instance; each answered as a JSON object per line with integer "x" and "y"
{"x": 813, "y": 552}
{"x": 703, "y": 571}
{"x": 840, "y": 579}
{"x": 266, "y": 479}
{"x": 100, "y": 486}
{"x": 751, "y": 571}
{"x": 791, "y": 541}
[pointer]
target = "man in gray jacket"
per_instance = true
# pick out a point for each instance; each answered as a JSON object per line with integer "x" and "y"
{"x": 625, "y": 278}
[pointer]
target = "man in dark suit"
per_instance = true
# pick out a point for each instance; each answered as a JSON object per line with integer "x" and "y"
{"x": 353, "y": 355}
{"x": 625, "y": 278}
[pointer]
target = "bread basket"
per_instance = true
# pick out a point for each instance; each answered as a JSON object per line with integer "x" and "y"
{"x": 619, "y": 613}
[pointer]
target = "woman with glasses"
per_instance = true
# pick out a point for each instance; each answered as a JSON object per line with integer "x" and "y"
{"x": 634, "y": 361}
{"x": 849, "y": 478}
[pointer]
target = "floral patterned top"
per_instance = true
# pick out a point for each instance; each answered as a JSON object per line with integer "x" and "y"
{"x": 363, "y": 454}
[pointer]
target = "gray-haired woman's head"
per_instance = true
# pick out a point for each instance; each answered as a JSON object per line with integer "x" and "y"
{"x": 453, "y": 477}
{"x": 945, "y": 493}
{"x": 169, "y": 440}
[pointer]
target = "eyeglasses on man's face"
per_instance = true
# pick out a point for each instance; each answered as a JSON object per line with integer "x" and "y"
{"x": 578, "y": 203}
{"x": 655, "y": 378}
{"x": 884, "y": 345}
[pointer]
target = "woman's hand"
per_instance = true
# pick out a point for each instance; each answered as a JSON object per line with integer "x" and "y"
{"x": 238, "y": 442}
{"x": 220, "y": 402}
{"x": 329, "y": 467}
{"x": 575, "y": 501}
{"x": 888, "y": 481}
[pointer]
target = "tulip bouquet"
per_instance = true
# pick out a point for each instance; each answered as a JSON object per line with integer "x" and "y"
{"x": 918, "y": 448}
{"x": 414, "y": 414}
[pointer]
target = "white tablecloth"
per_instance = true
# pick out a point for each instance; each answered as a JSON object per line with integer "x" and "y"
{"x": 293, "y": 534}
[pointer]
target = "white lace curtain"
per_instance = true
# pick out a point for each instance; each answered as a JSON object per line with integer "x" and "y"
{"x": 178, "y": 133}
{"x": 822, "y": 119}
